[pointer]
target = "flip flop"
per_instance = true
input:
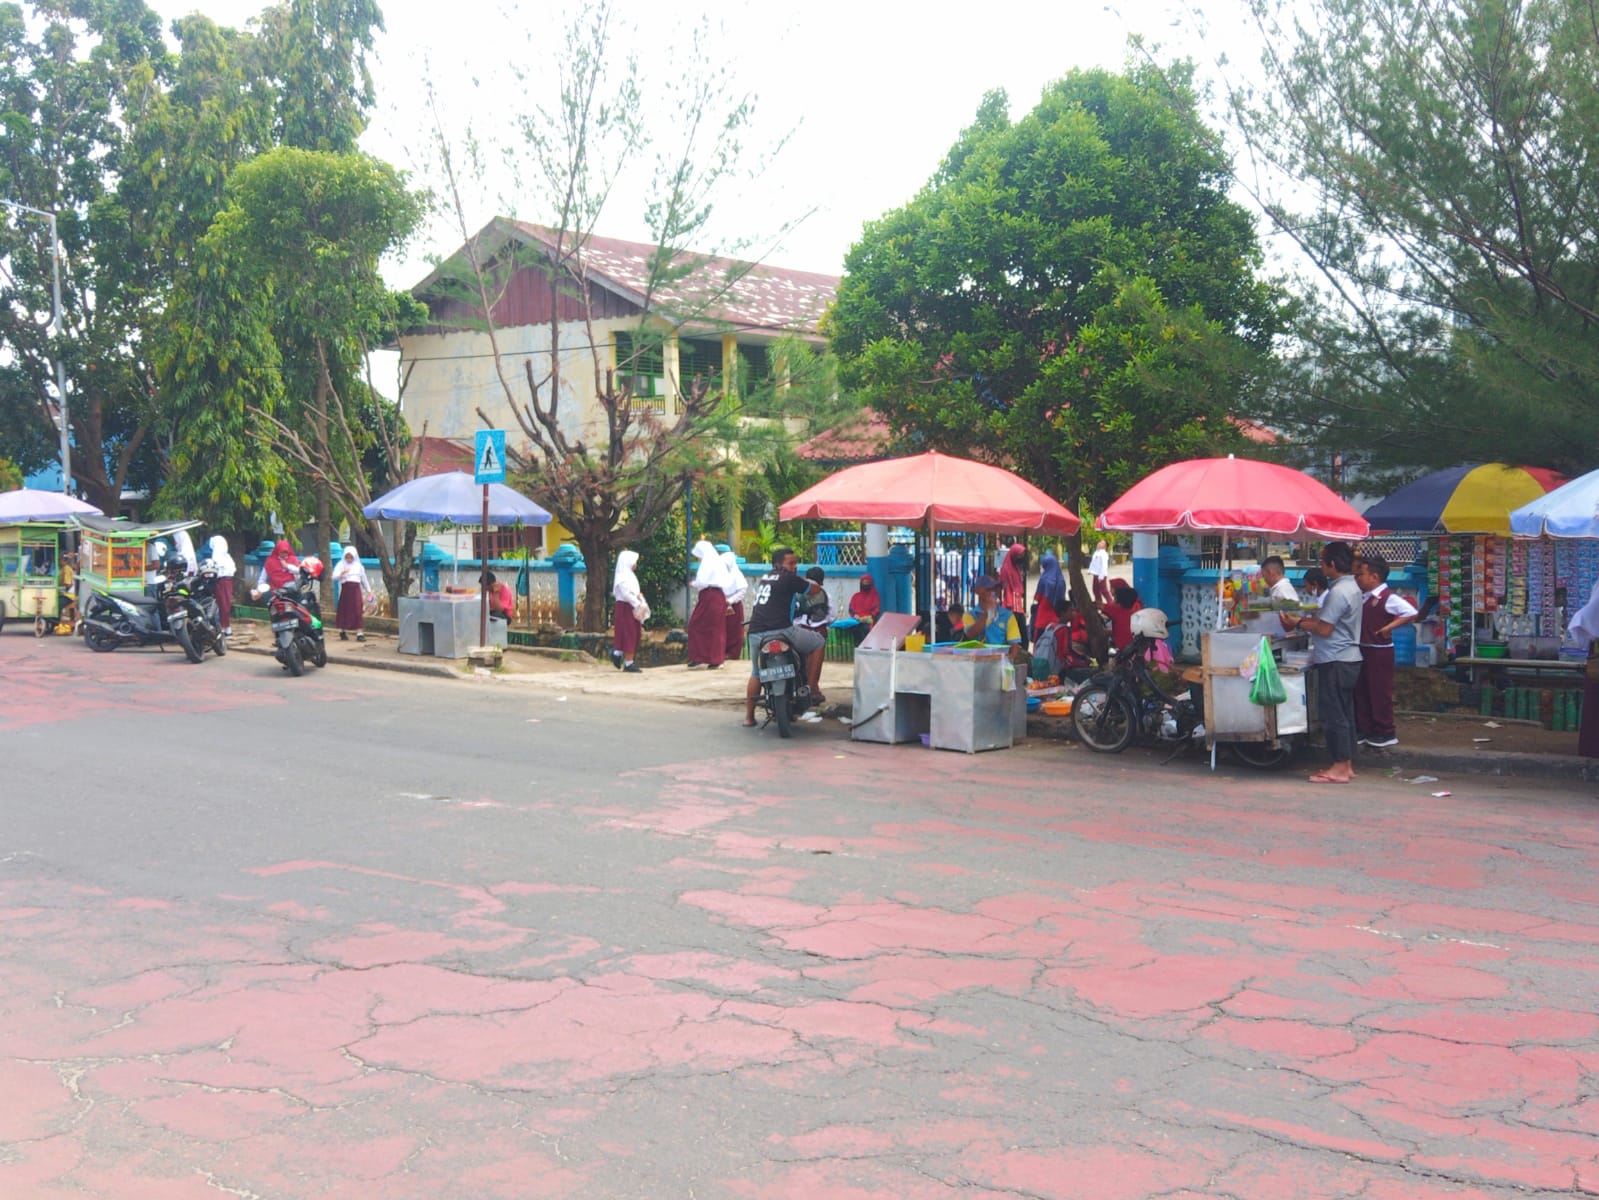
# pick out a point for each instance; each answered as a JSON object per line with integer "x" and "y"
{"x": 1321, "y": 778}
{"x": 750, "y": 724}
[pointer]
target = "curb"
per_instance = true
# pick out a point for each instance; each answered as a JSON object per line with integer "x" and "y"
{"x": 369, "y": 664}
{"x": 1569, "y": 769}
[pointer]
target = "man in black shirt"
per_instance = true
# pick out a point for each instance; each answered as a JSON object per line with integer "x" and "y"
{"x": 774, "y": 595}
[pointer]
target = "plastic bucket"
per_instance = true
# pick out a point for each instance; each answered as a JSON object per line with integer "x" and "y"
{"x": 1405, "y": 646}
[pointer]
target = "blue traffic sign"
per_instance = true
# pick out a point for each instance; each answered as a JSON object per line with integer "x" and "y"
{"x": 489, "y": 455}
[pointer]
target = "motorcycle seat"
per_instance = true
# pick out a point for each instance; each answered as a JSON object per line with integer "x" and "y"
{"x": 141, "y": 600}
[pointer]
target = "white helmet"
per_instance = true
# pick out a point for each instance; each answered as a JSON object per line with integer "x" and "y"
{"x": 1149, "y": 622}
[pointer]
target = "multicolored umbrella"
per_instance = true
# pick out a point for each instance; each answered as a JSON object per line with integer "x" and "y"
{"x": 1469, "y": 499}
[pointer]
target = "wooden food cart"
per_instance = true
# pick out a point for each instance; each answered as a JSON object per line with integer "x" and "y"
{"x": 112, "y": 553}
{"x": 1228, "y": 676}
{"x": 31, "y": 558}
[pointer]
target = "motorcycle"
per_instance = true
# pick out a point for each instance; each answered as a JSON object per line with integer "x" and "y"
{"x": 1127, "y": 704}
{"x": 297, "y": 620}
{"x": 190, "y": 607}
{"x": 110, "y": 620}
{"x": 784, "y": 694}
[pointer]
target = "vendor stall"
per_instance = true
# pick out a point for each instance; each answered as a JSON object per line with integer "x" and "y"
{"x": 31, "y": 561}
{"x": 957, "y": 701}
{"x": 112, "y": 554}
{"x": 1234, "y": 495}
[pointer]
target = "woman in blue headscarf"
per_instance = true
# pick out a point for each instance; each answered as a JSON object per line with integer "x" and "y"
{"x": 1051, "y": 594}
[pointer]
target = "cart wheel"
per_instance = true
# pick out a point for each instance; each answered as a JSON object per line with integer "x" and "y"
{"x": 40, "y": 627}
{"x": 1263, "y": 756}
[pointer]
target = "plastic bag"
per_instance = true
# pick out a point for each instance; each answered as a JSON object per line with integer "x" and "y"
{"x": 1268, "y": 688}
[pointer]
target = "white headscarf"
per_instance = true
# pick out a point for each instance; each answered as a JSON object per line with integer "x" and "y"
{"x": 220, "y": 558}
{"x": 735, "y": 585}
{"x": 351, "y": 569}
{"x": 183, "y": 546}
{"x": 711, "y": 573}
{"x": 1584, "y": 626}
{"x": 626, "y": 588}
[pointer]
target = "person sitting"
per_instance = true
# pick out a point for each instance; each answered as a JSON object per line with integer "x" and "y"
{"x": 814, "y": 611}
{"x": 502, "y": 602}
{"x": 992, "y": 622}
{"x": 865, "y": 606}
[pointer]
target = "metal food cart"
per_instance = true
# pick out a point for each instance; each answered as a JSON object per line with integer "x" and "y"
{"x": 1227, "y": 671}
{"x": 31, "y": 558}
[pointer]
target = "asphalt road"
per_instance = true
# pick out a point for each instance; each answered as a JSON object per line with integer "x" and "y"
{"x": 364, "y": 934}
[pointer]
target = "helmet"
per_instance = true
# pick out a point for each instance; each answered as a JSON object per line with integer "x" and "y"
{"x": 1149, "y": 622}
{"x": 312, "y": 566}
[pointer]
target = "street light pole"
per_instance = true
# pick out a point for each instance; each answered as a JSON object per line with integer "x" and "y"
{"x": 58, "y": 329}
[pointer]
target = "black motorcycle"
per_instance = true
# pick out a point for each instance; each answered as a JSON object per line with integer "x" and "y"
{"x": 780, "y": 671}
{"x": 111, "y": 620}
{"x": 297, "y": 620}
{"x": 1127, "y": 704}
{"x": 190, "y": 607}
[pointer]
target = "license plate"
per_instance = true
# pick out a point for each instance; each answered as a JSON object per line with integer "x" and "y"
{"x": 786, "y": 671}
{"x": 280, "y": 626}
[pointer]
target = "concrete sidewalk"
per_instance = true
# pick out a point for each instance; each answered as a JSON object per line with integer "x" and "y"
{"x": 570, "y": 672}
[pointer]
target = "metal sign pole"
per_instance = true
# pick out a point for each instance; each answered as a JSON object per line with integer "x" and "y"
{"x": 483, "y": 580}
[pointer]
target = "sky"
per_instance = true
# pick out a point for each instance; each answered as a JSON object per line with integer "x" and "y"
{"x": 870, "y": 94}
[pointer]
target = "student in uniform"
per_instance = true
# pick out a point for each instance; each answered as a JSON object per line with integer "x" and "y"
{"x": 1382, "y": 611}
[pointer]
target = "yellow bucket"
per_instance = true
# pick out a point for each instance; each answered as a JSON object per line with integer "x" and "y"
{"x": 915, "y": 642}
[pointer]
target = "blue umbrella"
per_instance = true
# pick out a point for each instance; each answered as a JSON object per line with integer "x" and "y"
{"x": 453, "y": 496}
{"x": 1571, "y": 510}
{"x": 26, "y": 504}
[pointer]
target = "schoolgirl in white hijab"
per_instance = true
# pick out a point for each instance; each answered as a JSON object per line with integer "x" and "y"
{"x": 226, "y": 569}
{"x": 631, "y": 611}
{"x": 707, "y": 624}
{"x": 350, "y": 575}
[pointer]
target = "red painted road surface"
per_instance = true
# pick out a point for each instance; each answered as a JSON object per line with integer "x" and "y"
{"x": 811, "y": 970}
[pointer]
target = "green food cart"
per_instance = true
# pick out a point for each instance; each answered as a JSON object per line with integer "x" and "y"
{"x": 112, "y": 553}
{"x": 31, "y": 558}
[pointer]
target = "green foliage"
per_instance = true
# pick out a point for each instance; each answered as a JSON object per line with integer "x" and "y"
{"x": 661, "y": 569}
{"x": 10, "y": 475}
{"x": 1072, "y": 295}
{"x": 1444, "y": 146}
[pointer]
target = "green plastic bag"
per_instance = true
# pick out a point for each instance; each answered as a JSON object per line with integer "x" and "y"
{"x": 1268, "y": 688}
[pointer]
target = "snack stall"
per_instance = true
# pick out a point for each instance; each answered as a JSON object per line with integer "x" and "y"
{"x": 31, "y": 558}
{"x": 1229, "y": 496}
{"x": 961, "y": 697}
{"x": 112, "y": 554}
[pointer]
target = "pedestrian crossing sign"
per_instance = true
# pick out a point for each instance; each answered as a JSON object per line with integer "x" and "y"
{"x": 490, "y": 456}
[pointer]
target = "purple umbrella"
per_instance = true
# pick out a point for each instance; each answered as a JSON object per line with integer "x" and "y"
{"x": 28, "y": 504}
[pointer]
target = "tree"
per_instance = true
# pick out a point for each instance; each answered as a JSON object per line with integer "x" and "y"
{"x": 62, "y": 67}
{"x": 1448, "y": 148}
{"x": 613, "y": 475}
{"x": 290, "y": 302}
{"x": 1072, "y": 295}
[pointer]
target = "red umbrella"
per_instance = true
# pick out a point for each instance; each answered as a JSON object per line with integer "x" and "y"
{"x": 1206, "y": 494}
{"x": 932, "y": 489}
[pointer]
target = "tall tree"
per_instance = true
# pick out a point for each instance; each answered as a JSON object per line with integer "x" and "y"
{"x": 63, "y": 65}
{"x": 290, "y": 305}
{"x": 1072, "y": 295}
{"x": 1435, "y": 160}
{"x": 610, "y": 475}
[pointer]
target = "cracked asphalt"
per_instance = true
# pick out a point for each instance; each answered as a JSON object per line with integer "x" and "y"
{"x": 363, "y": 934}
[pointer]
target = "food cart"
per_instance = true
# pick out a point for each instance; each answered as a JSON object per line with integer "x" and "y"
{"x": 112, "y": 553}
{"x": 31, "y": 558}
{"x": 1228, "y": 674}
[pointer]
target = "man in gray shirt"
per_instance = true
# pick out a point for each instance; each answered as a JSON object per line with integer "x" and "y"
{"x": 1335, "y": 659}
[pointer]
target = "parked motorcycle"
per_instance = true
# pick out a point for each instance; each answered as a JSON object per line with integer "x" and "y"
{"x": 780, "y": 671}
{"x": 190, "y": 607}
{"x": 1127, "y": 704}
{"x": 297, "y": 620}
{"x": 111, "y": 620}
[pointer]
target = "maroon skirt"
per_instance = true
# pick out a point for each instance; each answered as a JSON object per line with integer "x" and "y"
{"x": 735, "y": 632}
{"x": 707, "y": 629}
{"x": 626, "y": 631}
{"x": 349, "y": 614}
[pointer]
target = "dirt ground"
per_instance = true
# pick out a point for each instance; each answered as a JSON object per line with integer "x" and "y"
{"x": 1474, "y": 732}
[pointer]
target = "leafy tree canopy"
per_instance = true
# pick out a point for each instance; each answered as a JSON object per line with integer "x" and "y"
{"x": 1072, "y": 294}
{"x": 1450, "y": 149}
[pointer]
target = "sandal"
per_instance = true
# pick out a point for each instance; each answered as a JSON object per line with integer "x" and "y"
{"x": 750, "y": 724}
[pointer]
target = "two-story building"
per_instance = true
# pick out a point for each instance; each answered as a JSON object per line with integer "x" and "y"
{"x": 712, "y": 317}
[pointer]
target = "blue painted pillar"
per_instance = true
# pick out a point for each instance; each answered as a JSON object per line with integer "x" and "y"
{"x": 897, "y": 595}
{"x": 1146, "y": 568}
{"x": 877, "y": 564}
{"x": 568, "y": 562}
